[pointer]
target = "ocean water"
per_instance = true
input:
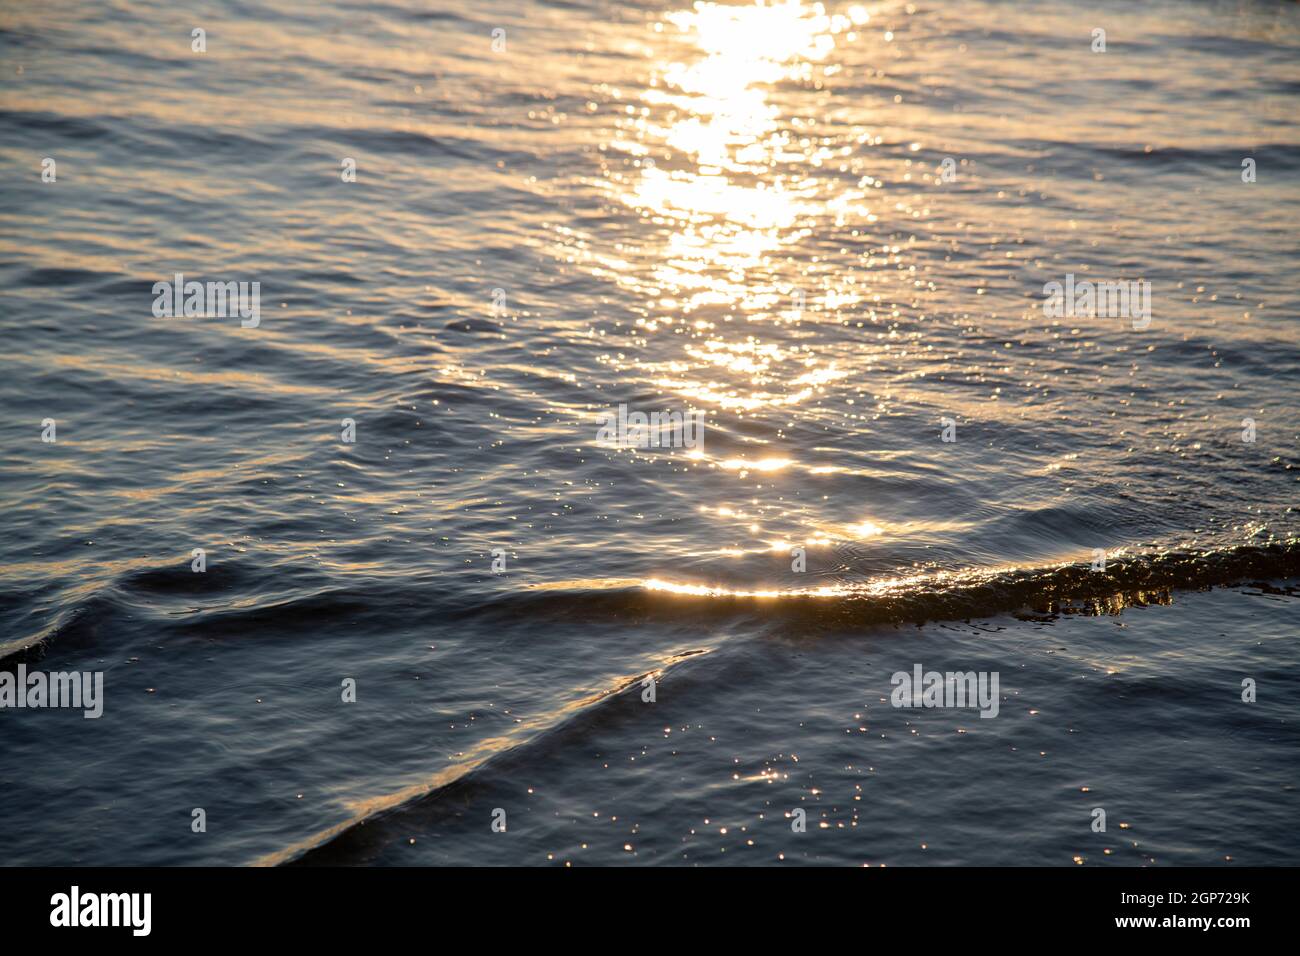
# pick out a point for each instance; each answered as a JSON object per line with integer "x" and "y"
{"x": 826, "y": 227}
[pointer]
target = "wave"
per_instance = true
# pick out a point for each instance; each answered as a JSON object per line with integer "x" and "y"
{"x": 1133, "y": 581}
{"x": 915, "y": 598}
{"x": 904, "y": 598}
{"x": 349, "y": 840}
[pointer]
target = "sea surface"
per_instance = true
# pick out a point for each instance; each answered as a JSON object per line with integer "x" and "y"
{"x": 482, "y": 633}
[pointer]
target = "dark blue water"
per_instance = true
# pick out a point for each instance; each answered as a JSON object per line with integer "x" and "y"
{"x": 736, "y": 209}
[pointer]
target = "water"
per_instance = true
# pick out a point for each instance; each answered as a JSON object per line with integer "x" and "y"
{"x": 738, "y": 209}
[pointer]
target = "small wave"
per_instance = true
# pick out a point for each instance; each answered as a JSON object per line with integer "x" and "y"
{"x": 348, "y": 839}
{"x": 907, "y": 598}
